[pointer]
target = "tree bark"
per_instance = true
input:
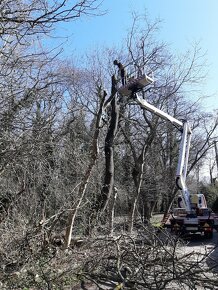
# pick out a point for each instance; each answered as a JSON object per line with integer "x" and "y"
{"x": 112, "y": 211}
{"x": 109, "y": 152}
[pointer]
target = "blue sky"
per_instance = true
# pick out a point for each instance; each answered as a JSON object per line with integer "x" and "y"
{"x": 183, "y": 22}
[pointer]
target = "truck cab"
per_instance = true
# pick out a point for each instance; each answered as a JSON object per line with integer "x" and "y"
{"x": 197, "y": 202}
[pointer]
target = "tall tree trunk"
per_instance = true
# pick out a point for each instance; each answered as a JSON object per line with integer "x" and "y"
{"x": 108, "y": 185}
{"x": 83, "y": 185}
{"x": 112, "y": 211}
{"x": 137, "y": 177}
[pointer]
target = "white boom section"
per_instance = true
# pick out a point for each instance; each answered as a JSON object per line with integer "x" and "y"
{"x": 183, "y": 150}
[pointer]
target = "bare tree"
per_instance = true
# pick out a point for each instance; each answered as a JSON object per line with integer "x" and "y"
{"x": 172, "y": 77}
{"x": 84, "y": 182}
{"x": 109, "y": 144}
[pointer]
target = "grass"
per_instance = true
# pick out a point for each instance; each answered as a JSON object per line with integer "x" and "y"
{"x": 156, "y": 220}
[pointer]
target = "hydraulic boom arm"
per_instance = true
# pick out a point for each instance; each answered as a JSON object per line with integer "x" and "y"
{"x": 181, "y": 172}
{"x": 130, "y": 89}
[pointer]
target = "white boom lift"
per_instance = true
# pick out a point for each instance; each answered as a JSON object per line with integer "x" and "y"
{"x": 192, "y": 216}
{"x": 184, "y": 127}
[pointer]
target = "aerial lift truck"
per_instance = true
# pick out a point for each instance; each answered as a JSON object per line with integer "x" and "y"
{"x": 192, "y": 215}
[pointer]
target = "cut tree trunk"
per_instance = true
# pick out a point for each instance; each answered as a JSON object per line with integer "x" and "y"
{"x": 108, "y": 185}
